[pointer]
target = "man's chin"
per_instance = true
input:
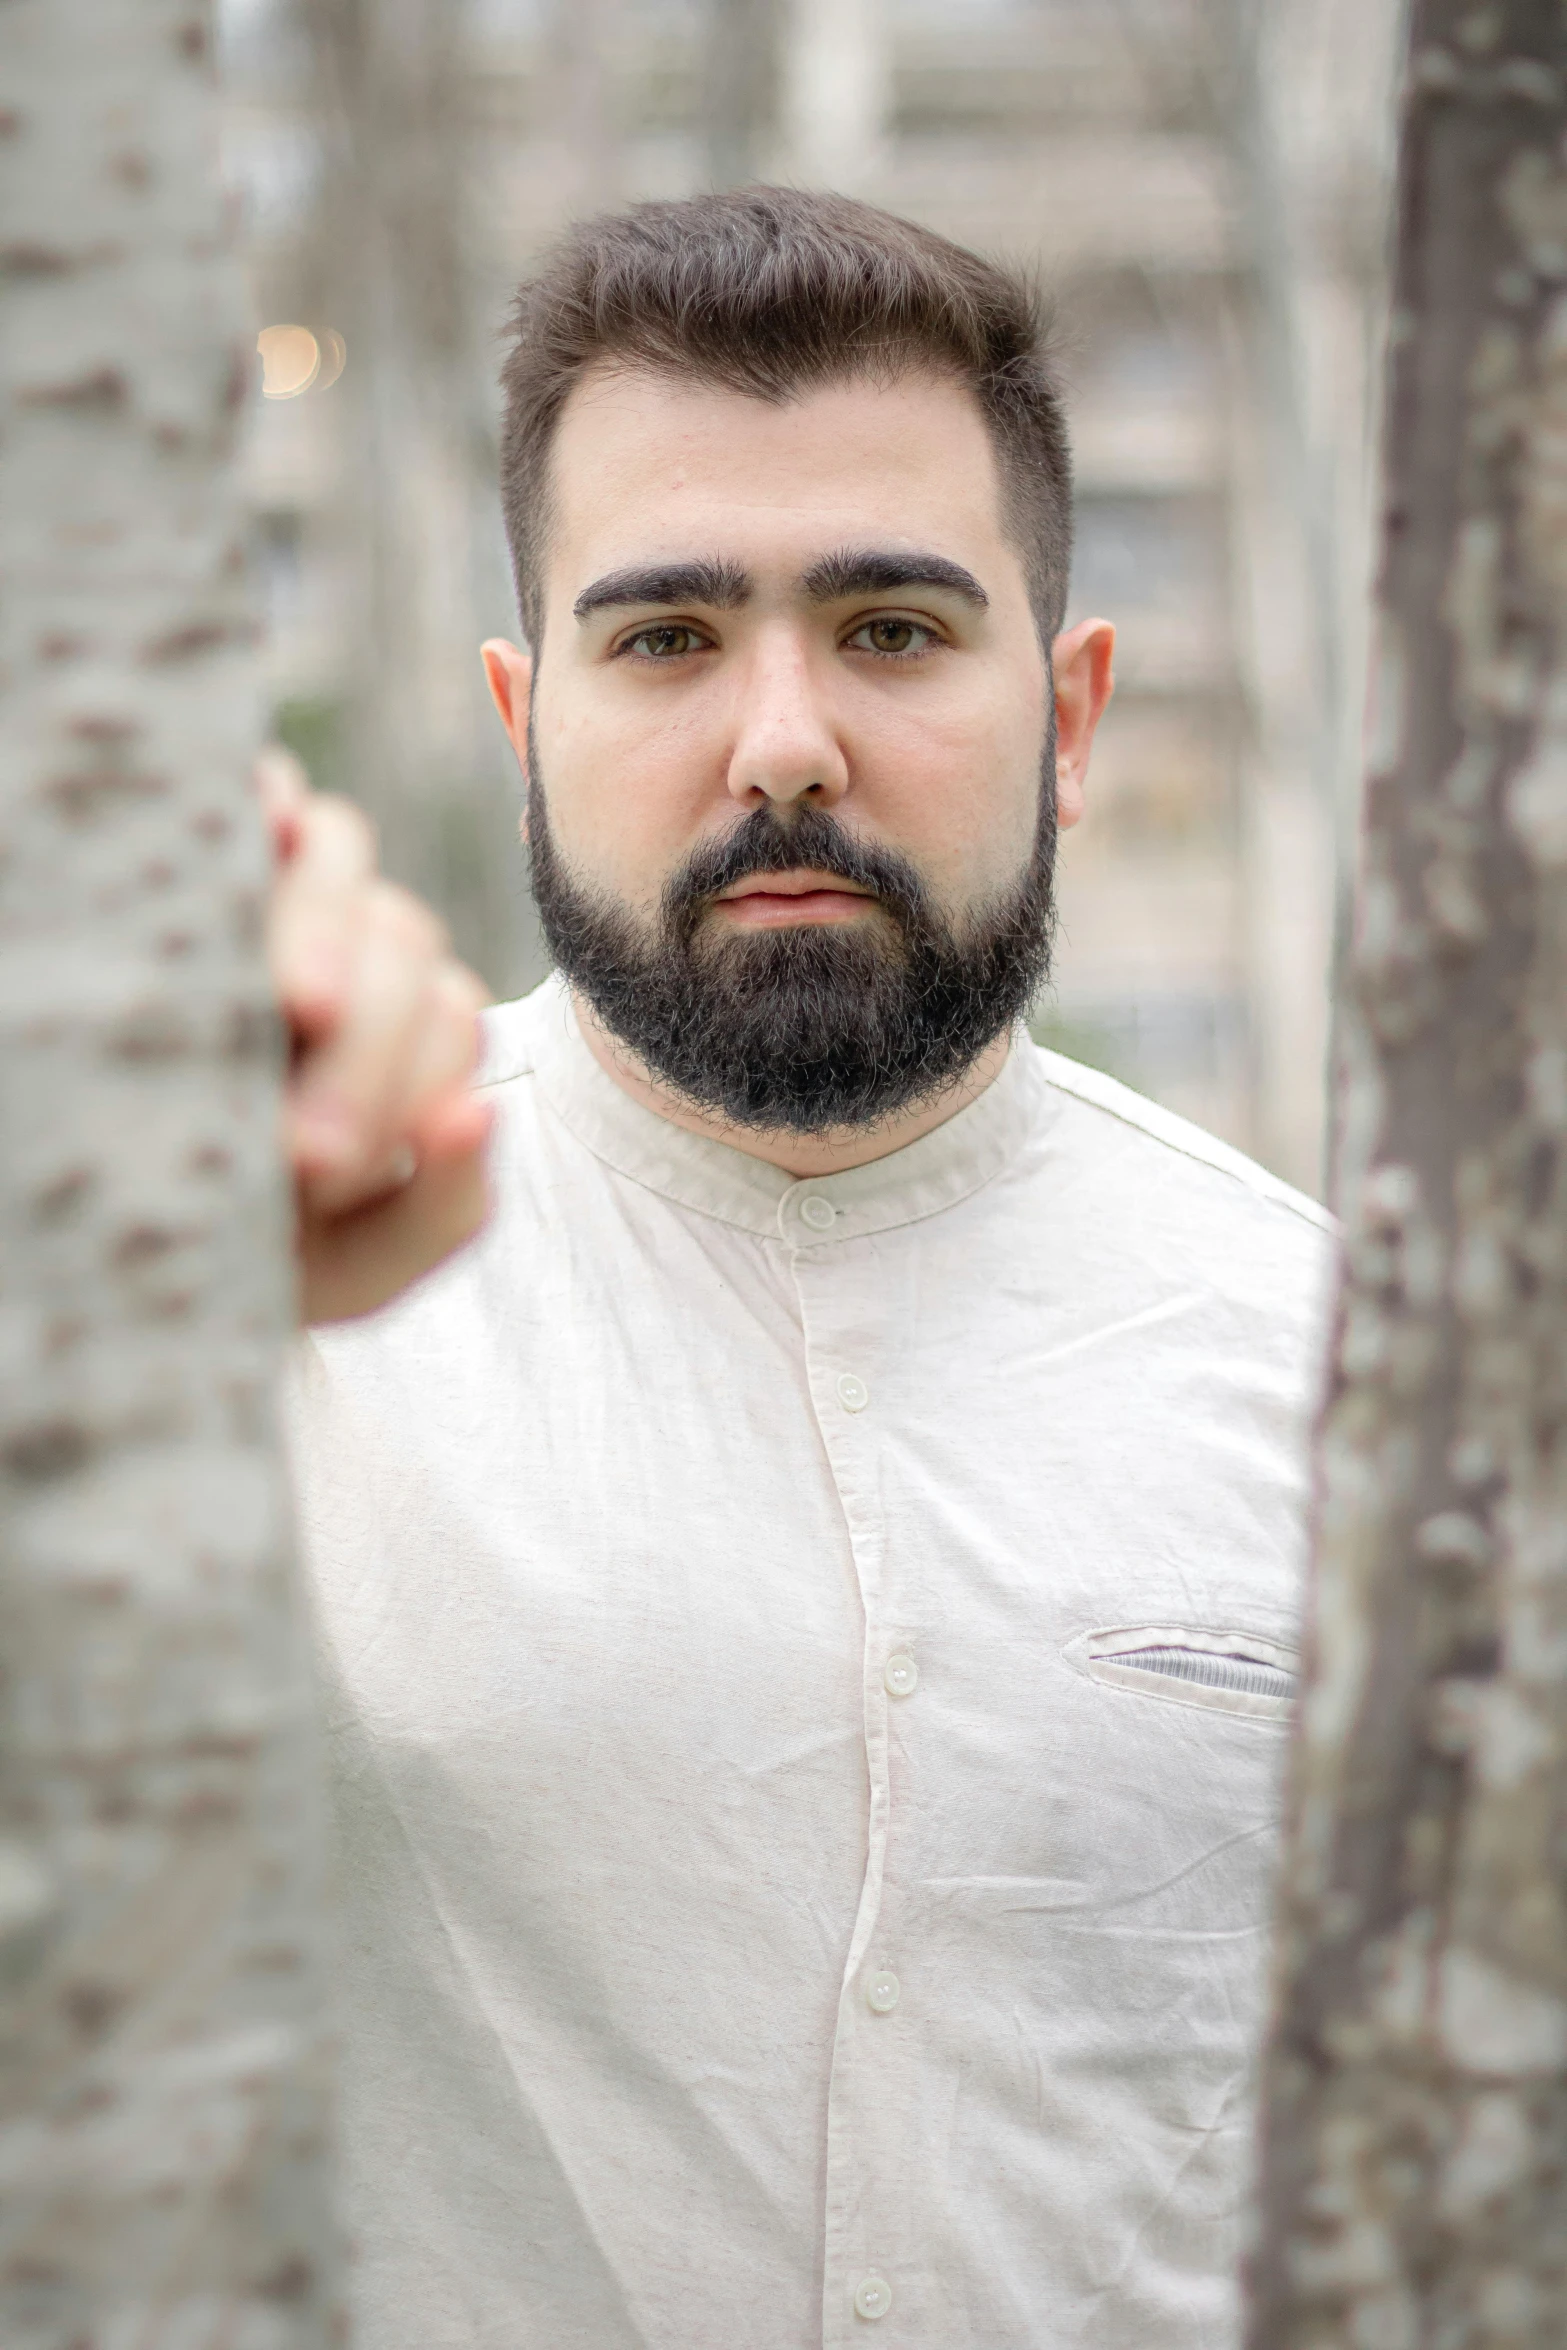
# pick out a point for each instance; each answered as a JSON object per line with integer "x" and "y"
{"x": 850, "y": 946}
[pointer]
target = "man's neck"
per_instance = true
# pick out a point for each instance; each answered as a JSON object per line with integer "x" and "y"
{"x": 799, "y": 1155}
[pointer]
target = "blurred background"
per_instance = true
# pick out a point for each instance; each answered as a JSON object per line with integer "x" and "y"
{"x": 1202, "y": 187}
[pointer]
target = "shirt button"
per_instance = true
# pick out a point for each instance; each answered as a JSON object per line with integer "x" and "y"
{"x": 901, "y": 1674}
{"x": 872, "y": 2297}
{"x": 853, "y": 1393}
{"x": 819, "y": 1213}
{"x": 881, "y": 1992}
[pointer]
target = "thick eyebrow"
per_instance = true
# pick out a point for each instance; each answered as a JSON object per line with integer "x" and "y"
{"x": 717, "y": 583}
{"x": 872, "y": 571}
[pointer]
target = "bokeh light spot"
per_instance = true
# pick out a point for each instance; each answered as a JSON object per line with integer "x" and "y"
{"x": 290, "y": 360}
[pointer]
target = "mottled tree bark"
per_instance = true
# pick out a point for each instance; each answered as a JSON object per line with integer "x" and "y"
{"x": 161, "y": 2054}
{"x": 1415, "y": 2130}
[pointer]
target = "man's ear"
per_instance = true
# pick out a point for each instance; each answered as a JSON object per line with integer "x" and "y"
{"x": 509, "y": 672}
{"x": 1083, "y": 661}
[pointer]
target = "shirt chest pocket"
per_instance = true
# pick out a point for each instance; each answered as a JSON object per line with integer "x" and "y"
{"x": 1221, "y": 1671}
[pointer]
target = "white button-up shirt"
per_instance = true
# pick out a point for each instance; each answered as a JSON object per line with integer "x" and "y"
{"x": 806, "y": 1671}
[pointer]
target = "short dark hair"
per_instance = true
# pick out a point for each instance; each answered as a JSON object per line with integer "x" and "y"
{"x": 771, "y": 291}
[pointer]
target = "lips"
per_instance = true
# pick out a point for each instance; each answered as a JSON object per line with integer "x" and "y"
{"x": 793, "y": 885}
{"x": 796, "y": 900}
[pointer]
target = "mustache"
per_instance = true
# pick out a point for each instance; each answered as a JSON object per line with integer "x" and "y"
{"x": 764, "y": 843}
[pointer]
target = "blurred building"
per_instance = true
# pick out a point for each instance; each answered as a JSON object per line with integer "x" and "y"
{"x": 1200, "y": 184}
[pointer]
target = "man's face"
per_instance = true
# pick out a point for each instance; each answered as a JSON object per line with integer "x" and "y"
{"x": 776, "y": 626}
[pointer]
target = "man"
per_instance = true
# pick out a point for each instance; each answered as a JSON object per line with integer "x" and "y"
{"x": 807, "y": 1598}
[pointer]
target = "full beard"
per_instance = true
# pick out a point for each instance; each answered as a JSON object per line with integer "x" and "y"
{"x": 814, "y": 1028}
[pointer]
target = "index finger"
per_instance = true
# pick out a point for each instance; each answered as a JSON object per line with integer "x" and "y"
{"x": 336, "y": 844}
{"x": 283, "y": 788}
{"x": 316, "y": 906}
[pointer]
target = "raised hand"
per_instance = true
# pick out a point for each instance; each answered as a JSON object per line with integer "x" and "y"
{"x": 384, "y": 1132}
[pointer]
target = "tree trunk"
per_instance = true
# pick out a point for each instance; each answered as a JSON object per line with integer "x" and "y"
{"x": 423, "y": 753}
{"x": 739, "y": 90}
{"x": 836, "y": 90}
{"x": 161, "y": 2052}
{"x": 1415, "y": 2124}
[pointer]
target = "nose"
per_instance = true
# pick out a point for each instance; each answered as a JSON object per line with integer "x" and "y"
{"x": 786, "y": 745}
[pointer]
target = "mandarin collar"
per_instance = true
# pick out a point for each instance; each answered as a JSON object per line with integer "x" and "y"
{"x": 816, "y": 1211}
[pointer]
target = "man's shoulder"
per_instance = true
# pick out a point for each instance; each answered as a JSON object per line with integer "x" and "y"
{"x": 1151, "y": 1187}
{"x": 1115, "y": 1113}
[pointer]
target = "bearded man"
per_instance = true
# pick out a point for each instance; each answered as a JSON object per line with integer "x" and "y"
{"x": 807, "y": 1598}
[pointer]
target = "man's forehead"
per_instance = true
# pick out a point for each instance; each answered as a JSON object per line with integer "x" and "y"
{"x": 644, "y": 461}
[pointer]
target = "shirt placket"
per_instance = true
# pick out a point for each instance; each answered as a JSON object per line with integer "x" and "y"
{"x": 846, "y": 1317}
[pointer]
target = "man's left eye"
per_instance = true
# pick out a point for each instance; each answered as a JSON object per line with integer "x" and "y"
{"x": 665, "y": 642}
{"x": 892, "y": 637}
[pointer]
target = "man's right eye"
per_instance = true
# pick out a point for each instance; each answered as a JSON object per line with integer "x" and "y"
{"x": 666, "y": 642}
